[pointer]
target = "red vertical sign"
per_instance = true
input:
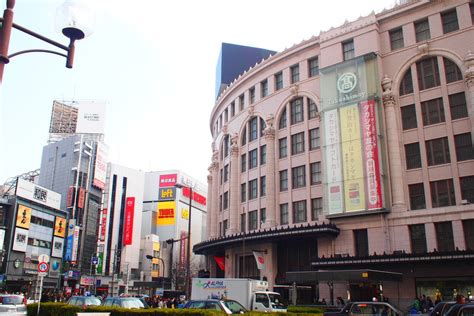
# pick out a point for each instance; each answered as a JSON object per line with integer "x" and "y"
{"x": 371, "y": 155}
{"x": 70, "y": 197}
{"x": 82, "y": 197}
{"x": 182, "y": 250}
{"x": 129, "y": 213}
{"x": 103, "y": 224}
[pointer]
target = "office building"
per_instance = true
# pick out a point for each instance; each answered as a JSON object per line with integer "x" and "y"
{"x": 350, "y": 152}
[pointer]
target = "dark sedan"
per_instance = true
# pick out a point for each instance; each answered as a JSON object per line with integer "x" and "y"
{"x": 366, "y": 308}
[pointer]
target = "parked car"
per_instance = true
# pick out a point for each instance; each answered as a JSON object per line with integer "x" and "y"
{"x": 460, "y": 309}
{"x": 367, "y": 308}
{"x": 226, "y": 306}
{"x": 125, "y": 302}
{"x": 441, "y": 308}
{"x": 84, "y": 301}
{"x": 12, "y": 304}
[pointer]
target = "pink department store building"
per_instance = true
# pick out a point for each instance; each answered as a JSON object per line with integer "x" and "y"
{"x": 348, "y": 161}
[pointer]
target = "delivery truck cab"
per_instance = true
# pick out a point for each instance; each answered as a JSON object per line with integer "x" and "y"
{"x": 252, "y": 294}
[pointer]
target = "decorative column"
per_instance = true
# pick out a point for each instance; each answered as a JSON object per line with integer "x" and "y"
{"x": 269, "y": 134}
{"x": 234, "y": 185}
{"x": 469, "y": 79}
{"x": 393, "y": 146}
{"x": 209, "y": 203}
{"x": 214, "y": 205}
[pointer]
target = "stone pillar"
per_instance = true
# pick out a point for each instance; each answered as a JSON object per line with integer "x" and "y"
{"x": 209, "y": 218}
{"x": 269, "y": 134}
{"x": 234, "y": 185}
{"x": 393, "y": 146}
{"x": 469, "y": 79}
{"x": 214, "y": 204}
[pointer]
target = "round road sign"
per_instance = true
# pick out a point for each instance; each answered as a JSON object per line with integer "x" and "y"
{"x": 43, "y": 267}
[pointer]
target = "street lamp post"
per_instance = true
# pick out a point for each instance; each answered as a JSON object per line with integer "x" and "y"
{"x": 188, "y": 249}
{"x": 150, "y": 257}
{"x": 70, "y": 29}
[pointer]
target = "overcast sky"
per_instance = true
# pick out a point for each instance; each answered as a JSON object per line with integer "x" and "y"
{"x": 153, "y": 62}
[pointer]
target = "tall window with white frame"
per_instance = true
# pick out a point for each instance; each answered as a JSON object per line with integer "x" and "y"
{"x": 284, "y": 214}
{"x": 396, "y": 38}
{"x": 422, "y": 30}
{"x": 313, "y": 67}
{"x": 348, "y": 51}
{"x": 295, "y": 73}
{"x": 264, "y": 88}
{"x": 278, "y": 81}
{"x": 449, "y": 19}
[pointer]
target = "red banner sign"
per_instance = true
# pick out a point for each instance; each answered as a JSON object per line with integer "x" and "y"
{"x": 103, "y": 227}
{"x": 196, "y": 196}
{"x": 182, "y": 250}
{"x": 168, "y": 180}
{"x": 70, "y": 197}
{"x": 82, "y": 198}
{"x": 129, "y": 213}
{"x": 371, "y": 155}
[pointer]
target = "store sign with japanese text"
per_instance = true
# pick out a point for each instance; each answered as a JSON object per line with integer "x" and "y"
{"x": 60, "y": 227}
{"x": 351, "y": 138}
{"x": 129, "y": 215}
{"x": 168, "y": 180}
{"x": 167, "y": 194}
{"x": 103, "y": 224}
{"x": 23, "y": 217}
{"x": 38, "y": 194}
{"x": 166, "y": 213}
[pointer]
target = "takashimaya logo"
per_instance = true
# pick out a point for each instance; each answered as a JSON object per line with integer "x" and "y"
{"x": 347, "y": 82}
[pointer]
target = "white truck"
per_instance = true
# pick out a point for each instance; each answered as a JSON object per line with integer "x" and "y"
{"x": 252, "y": 294}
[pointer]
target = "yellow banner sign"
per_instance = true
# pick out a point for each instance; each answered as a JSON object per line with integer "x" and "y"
{"x": 23, "y": 218}
{"x": 60, "y": 227}
{"x": 353, "y": 169}
{"x": 166, "y": 213}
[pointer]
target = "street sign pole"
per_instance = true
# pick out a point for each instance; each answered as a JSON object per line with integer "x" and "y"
{"x": 40, "y": 292}
{"x": 43, "y": 268}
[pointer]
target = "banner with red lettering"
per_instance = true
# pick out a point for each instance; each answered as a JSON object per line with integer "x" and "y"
{"x": 103, "y": 224}
{"x": 82, "y": 198}
{"x": 129, "y": 213}
{"x": 70, "y": 197}
{"x": 371, "y": 155}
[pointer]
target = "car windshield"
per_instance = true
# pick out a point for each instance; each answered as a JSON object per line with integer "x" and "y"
{"x": 234, "y": 306}
{"x": 276, "y": 301}
{"x": 92, "y": 301}
{"x": 132, "y": 303}
{"x": 11, "y": 300}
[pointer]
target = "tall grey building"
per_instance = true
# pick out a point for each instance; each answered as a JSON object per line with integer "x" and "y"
{"x": 75, "y": 167}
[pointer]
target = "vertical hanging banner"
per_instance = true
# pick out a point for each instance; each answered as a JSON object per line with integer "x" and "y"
{"x": 81, "y": 199}
{"x": 100, "y": 167}
{"x": 182, "y": 248}
{"x": 129, "y": 214}
{"x": 23, "y": 217}
{"x": 354, "y": 193}
{"x": 371, "y": 155}
{"x": 60, "y": 227}
{"x": 259, "y": 259}
{"x": 103, "y": 224}
{"x": 333, "y": 162}
{"x": 70, "y": 197}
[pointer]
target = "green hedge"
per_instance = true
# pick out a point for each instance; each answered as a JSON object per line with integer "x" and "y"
{"x": 62, "y": 309}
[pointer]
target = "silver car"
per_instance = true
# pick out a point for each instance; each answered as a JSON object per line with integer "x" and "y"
{"x": 12, "y": 304}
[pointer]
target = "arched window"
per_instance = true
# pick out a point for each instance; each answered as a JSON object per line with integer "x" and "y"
{"x": 262, "y": 126}
{"x": 312, "y": 109}
{"x": 226, "y": 145}
{"x": 428, "y": 73}
{"x": 406, "y": 86}
{"x": 253, "y": 128}
{"x": 243, "y": 139}
{"x": 282, "y": 121}
{"x": 453, "y": 73}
